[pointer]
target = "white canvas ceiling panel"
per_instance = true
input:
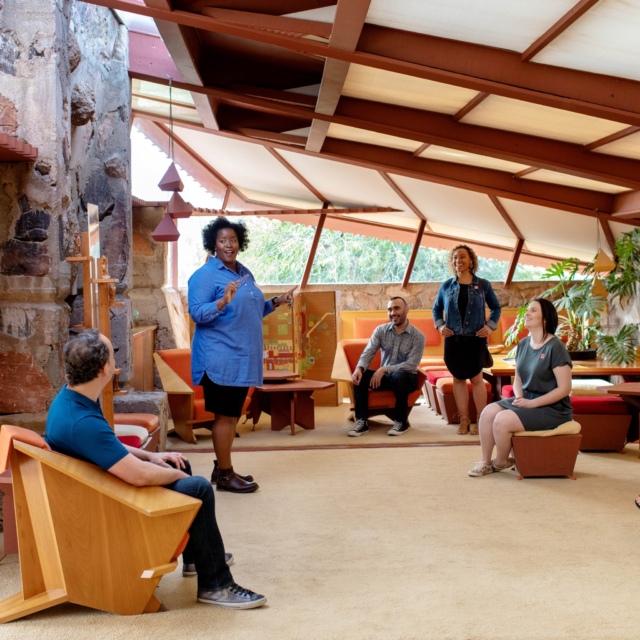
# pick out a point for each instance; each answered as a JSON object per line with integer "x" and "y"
{"x": 604, "y": 40}
{"x": 244, "y": 164}
{"x": 628, "y": 147}
{"x": 617, "y": 228}
{"x": 498, "y": 112}
{"x": 456, "y": 207}
{"x": 435, "y": 152}
{"x": 378, "y": 85}
{"x": 146, "y": 105}
{"x": 390, "y": 219}
{"x": 554, "y": 232}
{"x": 554, "y": 177}
{"x": 512, "y": 24}
{"x": 278, "y": 201}
{"x": 346, "y": 185}
{"x": 371, "y": 137}
{"x": 464, "y": 234}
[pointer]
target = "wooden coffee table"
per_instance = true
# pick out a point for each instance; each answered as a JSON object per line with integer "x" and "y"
{"x": 288, "y": 403}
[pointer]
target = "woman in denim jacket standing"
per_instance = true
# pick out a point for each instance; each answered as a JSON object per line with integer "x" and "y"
{"x": 459, "y": 315}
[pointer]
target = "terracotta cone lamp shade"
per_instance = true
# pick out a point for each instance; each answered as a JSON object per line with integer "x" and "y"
{"x": 178, "y": 208}
{"x": 603, "y": 262}
{"x": 598, "y": 288}
{"x": 171, "y": 180}
{"x": 166, "y": 231}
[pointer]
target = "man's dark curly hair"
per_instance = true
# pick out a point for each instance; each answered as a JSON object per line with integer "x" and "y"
{"x": 210, "y": 233}
{"x": 84, "y": 357}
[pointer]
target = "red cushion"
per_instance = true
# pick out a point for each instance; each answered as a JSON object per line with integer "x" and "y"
{"x": 506, "y": 320}
{"x": 353, "y": 350}
{"x": 507, "y": 391}
{"x": 363, "y": 328}
{"x": 434, "y": 376}
{"x": 132, "y": 441}
{"x": 146, "y": 420}
{"x": 200, "y": 413}
{"x": 599, "y": 405}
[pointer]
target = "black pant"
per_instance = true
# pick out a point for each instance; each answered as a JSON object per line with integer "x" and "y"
{"x": 205, "y": 548}
{"x": 402, "y": 383}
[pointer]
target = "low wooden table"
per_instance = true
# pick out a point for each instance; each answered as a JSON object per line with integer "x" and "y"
{"x": 278, "y": 375}
{"x": 288, "y": 403}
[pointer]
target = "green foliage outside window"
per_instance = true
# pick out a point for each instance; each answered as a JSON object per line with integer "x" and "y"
{"x": 277, "y": 254}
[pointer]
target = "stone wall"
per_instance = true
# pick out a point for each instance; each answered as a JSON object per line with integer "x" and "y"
{"x": 64, "y": 88}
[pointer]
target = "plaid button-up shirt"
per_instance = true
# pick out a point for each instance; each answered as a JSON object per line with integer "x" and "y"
{"x": 400, "y": 351}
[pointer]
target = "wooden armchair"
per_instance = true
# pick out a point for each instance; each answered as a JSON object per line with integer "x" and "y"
{"x": 85, "y": 536}
{"x": 380, "y": 402}
{"x": 186, "y": 400}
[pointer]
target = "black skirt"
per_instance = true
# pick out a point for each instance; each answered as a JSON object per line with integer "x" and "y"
{"x": 465, "y": 355}
{"x": 223, "y": 400}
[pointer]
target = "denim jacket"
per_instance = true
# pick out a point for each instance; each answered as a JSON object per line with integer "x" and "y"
{"x": 480, "y": 293}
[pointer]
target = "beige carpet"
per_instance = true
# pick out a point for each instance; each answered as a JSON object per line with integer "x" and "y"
{"x": 332, "y": 425}
{"x": 399, "y": 543}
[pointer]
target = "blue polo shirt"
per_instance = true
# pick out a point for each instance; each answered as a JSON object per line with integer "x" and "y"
{"x": 77, "y": 428}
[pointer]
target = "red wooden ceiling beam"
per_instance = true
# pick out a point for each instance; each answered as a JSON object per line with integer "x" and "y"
{"x": 513, "y": 263}
{"x": 440, "y": 129}
{"x": 558, "y": 28}
{"x": 453, "y": 62}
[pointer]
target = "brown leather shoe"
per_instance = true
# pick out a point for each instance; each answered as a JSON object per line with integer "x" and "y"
{"x": 214, "y": 474}
{"x": 229, "y": 480}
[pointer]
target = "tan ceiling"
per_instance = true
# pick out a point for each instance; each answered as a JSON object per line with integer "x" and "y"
{"x": 512, "y": 125}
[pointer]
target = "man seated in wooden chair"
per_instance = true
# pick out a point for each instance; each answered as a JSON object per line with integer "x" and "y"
{"x": 77, "y": 428}
{"x": 402, "y": 346}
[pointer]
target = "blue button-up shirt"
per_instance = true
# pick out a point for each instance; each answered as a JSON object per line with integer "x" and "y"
{"x": 227, "y": 345}
{"x": 480, "y": 293}
{"x": 400, "y": 351}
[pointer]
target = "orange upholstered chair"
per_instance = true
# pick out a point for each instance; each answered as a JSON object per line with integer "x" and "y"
{"x": 186, "y": 400}
{"x": 71, "y": 516}
{"x": 380, "y": 402}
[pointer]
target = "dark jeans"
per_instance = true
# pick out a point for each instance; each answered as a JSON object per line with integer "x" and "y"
{"x": 402, "y": 383}
{"x": 205, "y": 548}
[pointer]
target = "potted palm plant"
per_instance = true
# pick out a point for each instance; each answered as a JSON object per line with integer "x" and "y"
{"x": 580, "y": 310}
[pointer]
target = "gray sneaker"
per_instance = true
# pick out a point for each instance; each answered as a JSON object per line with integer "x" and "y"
{"x": 233, "y": 596}
{"x": 190, "y": 569}
{"x": 360, "y": 428}
{"x": 398, "y": 428}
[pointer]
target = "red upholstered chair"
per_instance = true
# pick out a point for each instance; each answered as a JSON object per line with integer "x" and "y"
{"x": 186, "y": 400}
{"x": 380, "y": 402}
{"x": 149, "y": 424}
{"x": 605, "y": 421}
{"x": 430, "y": 387}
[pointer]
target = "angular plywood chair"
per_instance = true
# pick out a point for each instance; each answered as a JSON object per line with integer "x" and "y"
{"x": 86, "y": 537}
{"x": 380, "y": 402}
{"x": 186, "y": 400}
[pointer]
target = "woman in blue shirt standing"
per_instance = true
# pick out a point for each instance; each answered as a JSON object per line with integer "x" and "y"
{"x": 227, "y": 351}
{"x": 459, "y": 315}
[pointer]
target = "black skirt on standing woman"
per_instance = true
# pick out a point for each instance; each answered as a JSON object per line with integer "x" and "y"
{"x": 465, "y": 356}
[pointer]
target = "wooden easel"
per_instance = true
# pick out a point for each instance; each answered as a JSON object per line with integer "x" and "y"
{"x": 99, "y": 295}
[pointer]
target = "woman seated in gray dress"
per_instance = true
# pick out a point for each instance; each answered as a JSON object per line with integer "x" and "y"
{"x": 541, "y": 385}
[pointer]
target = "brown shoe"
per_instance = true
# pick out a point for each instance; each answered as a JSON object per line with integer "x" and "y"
{"x": 229, "y": 480}
{"x": 465, "y": 423}
{"x": 214, "y": 474}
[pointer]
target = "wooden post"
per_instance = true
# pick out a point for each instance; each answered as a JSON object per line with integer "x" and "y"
{"x": 312, "y": 252}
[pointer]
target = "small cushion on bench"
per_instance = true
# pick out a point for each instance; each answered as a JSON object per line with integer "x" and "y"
{"x": 437, "y": 374}
{"x": 146, "y": 420}
{"x": 446, "y": 385}
{"x": 588, "y": 387}
{"x": 565, "y": 429}
{"x": 507, "y": 391}
{"x": 131, "y": 434}
{"x": 599, "y": 405}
